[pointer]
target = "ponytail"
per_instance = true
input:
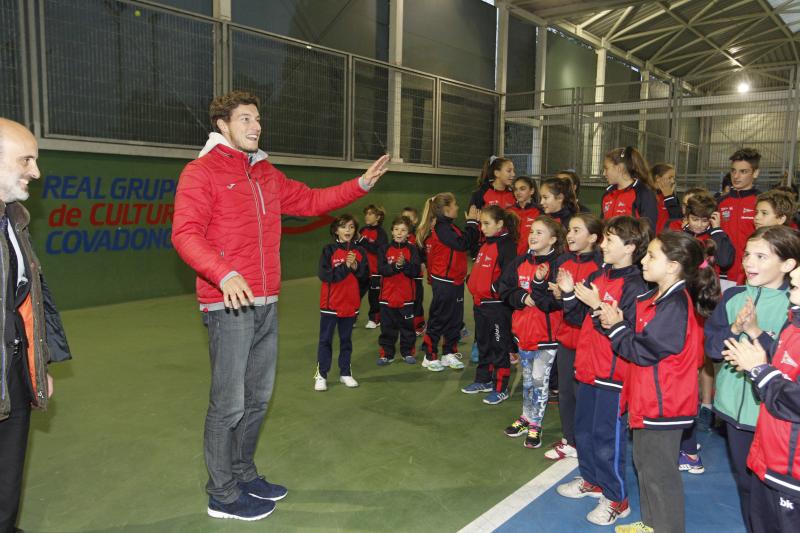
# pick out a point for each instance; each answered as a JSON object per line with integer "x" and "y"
{"x": 635, "y": 164}
{"x": 434, "y": 206}
{"x": 491, "y": 165}
{"x": 509, "y": 218}
{"x": 563, "y": 187}
{"x": 702, "y": 282}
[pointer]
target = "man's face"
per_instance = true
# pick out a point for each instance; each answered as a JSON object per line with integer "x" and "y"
{"x": 18, "y": 155}
{"x": 742, "y": 175}
{"x": 244, "y": 128}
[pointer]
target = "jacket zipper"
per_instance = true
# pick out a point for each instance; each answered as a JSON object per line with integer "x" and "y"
{"x": 4, "y": 281}
{"x": 253, "y": 188}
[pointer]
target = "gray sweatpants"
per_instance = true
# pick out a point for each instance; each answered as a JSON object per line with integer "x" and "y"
{"x": 655, "y": 454}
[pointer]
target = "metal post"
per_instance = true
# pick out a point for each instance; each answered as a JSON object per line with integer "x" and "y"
{"x": 500, "y": 71}
{"x": 538, "y": 101}
{"x": 793, "y": 119}
{"x": 222, "y": 47}
{"x": 644, "y": 94}
{"x": 599, "y": 98}
{"x": 394, "y": 113}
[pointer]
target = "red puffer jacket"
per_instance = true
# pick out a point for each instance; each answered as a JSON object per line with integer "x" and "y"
{"x": 228, "y": 218}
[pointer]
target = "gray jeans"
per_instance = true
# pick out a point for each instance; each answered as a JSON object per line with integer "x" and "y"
{"x": 243, "y": 346}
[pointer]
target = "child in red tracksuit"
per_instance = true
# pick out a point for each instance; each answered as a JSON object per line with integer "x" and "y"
{"x": 583, "y": 257}
{"x": 495, "y": 184}
{"x": 419, "y": 312}
{"x": 372, "y": 238}
{"x": 527, "y": 209}
{"x": 600, "y": 432}
{"x": 664, "y": 345}
{"x": 557, "y": 198}
{"x": 492, "y": 315}
{"x": 398, "y": 265}
{"x": 630, "y": 190}
{"x": 669, "y": 208}
{"x": 446, "y": 254}
{"x": 774, "y": 455}
{"x": 737, "y": 208}
{"x": 341, "y": 266}
{"x": 534, "y": 323}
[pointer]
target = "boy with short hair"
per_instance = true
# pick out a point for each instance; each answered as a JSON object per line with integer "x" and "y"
{"x": 703, "y": 223}
{"x": 774, "y": 208}
{"x": 738, "y": 207}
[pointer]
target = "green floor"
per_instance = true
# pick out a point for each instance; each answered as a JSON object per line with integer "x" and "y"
{"x": 120, "y": 449}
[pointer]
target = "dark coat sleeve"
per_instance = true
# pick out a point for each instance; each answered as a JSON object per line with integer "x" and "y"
{"x": 673, "y": 207}
{"x": 362, "y": 268}
{"x": 664, "y": 335}
{"x": 385, "y": 268}
{"x": 55, "y": 336}
{"x": 781, "y": 396}
{"x": 508, "y": 285}
{"x": 451, "y": 239}
{"x": 726, "y": 254}
{"x": 646, "y": 205}
{"x": 326, "y": 271}
{"x": 717, "y": 327}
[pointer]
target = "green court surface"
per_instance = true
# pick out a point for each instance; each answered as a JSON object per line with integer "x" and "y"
{"x": 121, "y": 447}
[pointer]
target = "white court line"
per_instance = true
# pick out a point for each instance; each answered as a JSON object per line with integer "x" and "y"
{"x": 500, "y": 513}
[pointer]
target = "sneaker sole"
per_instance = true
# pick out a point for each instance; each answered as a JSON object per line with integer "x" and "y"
{"x": 581, "y": 495}
{"x": 695, "y": 471}
{"x": 559, "y": 456}
{"x": 487, "y": 402}
{"x": 279, "y": 498}
{"x": 476, "y": 391}
{"x": 221, "y": 514}
{"x": 623, "y": 514}
{"x": 515, "y": 435}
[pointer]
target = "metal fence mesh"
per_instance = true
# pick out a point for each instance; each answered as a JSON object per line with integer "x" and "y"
{"x": 10, "y": 65}
{"x": 302, "y": 91}
{"x": 468, "y": 125}
{"x": 119, "y": 71}
{"x": 574, "y": 128}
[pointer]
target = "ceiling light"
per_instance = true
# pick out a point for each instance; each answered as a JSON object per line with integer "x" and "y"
{"x": 743, "y": 87}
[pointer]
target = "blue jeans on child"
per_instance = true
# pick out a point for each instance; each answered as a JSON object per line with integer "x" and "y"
{"x": 536, "y": 366}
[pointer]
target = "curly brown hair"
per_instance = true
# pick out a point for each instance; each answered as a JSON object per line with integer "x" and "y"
{"x": 222, "y": 106}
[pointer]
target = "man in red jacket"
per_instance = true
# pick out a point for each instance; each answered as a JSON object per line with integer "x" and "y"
{"x": 227, "y": 227}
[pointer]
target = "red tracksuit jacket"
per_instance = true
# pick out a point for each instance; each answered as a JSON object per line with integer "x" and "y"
{"x": 775, "y": 452}
{"x": 534, "y": 328}
{"x": 339, "y": 292}
{"x": 372, "y": 239}
{"x": 596, "y": 363}
{"x": 665, "y": 349}
{"x": 737, "y": 211}
{"x": 446, "y": 250}
{"x": 398, "y": 287}
{"x": 497, "y": 252}
{"x": 636, "y": 200}
{"x": 580, "y": 266}
{"x": 668, "y": 209}
{"x": 526, "y": 216}
{"x": 487, "y": 195}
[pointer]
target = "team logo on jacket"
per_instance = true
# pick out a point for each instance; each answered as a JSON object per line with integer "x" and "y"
{"x": 484, "y": 260}
{"x": 607, "y": 297}
{"x": 525, "y": 282}
{"x": 787, "y": 360}
{"x": 725, "y": 212}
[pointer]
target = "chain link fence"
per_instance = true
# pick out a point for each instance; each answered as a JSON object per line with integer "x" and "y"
{"x": 130, "y": 73}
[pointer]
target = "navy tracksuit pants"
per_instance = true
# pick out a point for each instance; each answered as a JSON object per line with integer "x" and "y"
{"x": 397, "y": 321}
{"x": 739, "y": 441}
{"x": 419, "y": 310}
{"x": 772, "y": 510}
{"x": 445, "y": 316}
{"x": 601, "y": 437}
{"x": 328, "y": 323}
{"x": 493, "y": 335}
{"x": 567, "y": 388}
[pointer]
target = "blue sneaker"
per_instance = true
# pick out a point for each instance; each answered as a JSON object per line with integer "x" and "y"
{"x": 245, "y": 507}
{"x": 474, "y": 357}
{"x": 384, "y": 361}
{"x": 263, "y": 489}
{"x": 475, "y": 388}
{"x": 687, "y": 464}
{"x": 410, "y": 359}
{"x": 494, "y": 397}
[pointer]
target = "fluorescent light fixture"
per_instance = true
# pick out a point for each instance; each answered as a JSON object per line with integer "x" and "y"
{"x": 743, "y": 87}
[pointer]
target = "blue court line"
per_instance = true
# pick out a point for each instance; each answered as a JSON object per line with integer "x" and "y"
{"x": 712, "y": 503}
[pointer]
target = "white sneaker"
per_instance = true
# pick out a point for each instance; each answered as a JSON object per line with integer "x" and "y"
{"x": 578, "y": 488}
{"x": 560, "y": 451}
{"x": 453, "y": 360}
{"x": 433, "y": 366}
{"x": 349, "y": 381}
{"x": 320, "y": 383}
{"x": 607, "y": 512}
{"x": 371, "y": 325}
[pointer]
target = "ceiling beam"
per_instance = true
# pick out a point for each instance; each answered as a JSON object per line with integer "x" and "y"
{"x": 594, "y": 19}
{"x": 666, "y": 29}
{"x": 779, "y": 22}
{"x": 648, "y": 18}
{"x": 619, "y": 20}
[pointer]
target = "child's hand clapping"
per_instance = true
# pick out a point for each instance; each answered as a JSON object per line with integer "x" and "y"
{"x": 528, "y": 300}
{"x": 564, "y": 281}
{"x": 744, "y": 355}
{"x": 351, "y": 261}
{"x": 590, "y": 297}
{"x": 473, "y": 214}
{"x": 747, "y": 321}
{"x": 401, "y": 261}
{"x": 542, "y": 271}
{"x": 609, "y": 314}
{"x": 553, "y": 287}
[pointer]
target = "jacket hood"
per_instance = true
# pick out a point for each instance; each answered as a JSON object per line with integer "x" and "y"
{"x": 215, "y": 138}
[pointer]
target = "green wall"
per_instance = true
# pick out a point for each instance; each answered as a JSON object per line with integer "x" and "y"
{"x": 90, "y": 262}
